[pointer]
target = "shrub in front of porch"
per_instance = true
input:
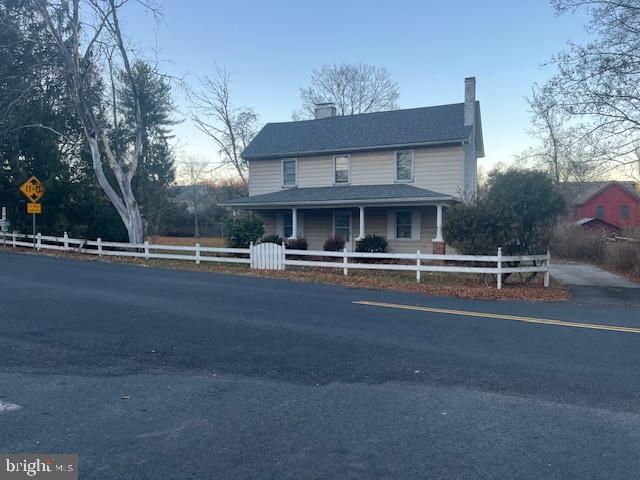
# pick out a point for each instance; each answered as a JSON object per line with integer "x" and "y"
{"x": 297, "y": 244}
{"x": 372, "y": 244}
{"x": 242, "y": 230}
{"x": 272, "y": 239}
{"x": 333, "y": 244}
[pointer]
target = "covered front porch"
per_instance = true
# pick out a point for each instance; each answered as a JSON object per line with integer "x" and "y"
{"x": 408, "y": 217}
{"x": 406, "y": 228}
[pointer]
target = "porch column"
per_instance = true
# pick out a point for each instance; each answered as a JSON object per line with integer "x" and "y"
{"x": 361, "y": 230}
{"x": 294, "y": 224}
{"x": 439, "y": 247}
{"x": 439, "y": 225}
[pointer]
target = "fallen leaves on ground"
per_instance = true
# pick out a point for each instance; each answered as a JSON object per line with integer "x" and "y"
{"x": 451, "y": 285}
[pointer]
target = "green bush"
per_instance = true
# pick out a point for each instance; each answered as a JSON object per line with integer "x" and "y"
{"x": 272, "y": 239}
{"x": 242, "y": 230}
{"x": 297, "y": 244}
{"x": 372, "y": 244}
{"x": 517, "y": 213}
{"x": 334, "y": 244}
{"x": 470, "y": 229}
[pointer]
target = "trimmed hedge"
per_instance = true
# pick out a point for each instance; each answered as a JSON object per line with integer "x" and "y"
{"x": 372, "y": 244}
{"x": 298, "y": 244}
{"x": 272, "y": 239}
{"x": 334, "y": 244}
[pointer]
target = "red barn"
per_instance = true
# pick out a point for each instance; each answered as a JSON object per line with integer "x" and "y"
{"x": 616, "y": 203}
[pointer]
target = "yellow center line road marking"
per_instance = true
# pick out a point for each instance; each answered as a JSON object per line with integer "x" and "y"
{"x": 498, "y": 316}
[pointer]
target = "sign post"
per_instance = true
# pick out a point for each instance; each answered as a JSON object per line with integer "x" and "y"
{"x": 34, "y": 190}
{"x": 4, "y": 226}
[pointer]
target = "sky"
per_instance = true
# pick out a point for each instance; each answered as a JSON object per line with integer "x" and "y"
{"x": 428, "y": 46}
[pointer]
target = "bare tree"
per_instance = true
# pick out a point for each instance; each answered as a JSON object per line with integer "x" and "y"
{"x": 195, "y": 171}
{"x": 598, "y": 83}
{"x": 231, "y": 128}
{"x": 352, "y": 88}
{"x": 560, "y": 151}
{"x": 97, "y": 29}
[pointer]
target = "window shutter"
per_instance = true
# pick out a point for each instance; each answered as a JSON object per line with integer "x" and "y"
{"x": 391, "y": 224}
{"x": 415, "y": 225}
{"x": 280, "y": 224}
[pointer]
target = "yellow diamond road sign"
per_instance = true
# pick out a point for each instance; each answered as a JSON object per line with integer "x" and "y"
{"x": 33, "y": 189}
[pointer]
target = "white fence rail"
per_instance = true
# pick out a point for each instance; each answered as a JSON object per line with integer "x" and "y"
{"x": 270, "y": 256}
{"x": 196, "y": 253}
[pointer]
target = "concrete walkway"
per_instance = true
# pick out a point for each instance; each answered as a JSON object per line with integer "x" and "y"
{"x": 588, "y": 275}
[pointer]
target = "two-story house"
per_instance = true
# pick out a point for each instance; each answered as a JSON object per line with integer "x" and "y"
{"x": 385, "y": 173}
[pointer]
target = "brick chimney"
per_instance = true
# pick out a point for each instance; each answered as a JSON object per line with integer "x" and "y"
{"x": 470, "y": 101}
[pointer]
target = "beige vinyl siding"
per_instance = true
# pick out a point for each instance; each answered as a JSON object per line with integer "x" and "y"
{"x": 318, "y": 226}
{"x": 372, "y": 168}
{"x": 315, "y": 171}
{"x": 437, "y": 168}
{"x": 265, "y": 176}
{"x": 269, "y": 220}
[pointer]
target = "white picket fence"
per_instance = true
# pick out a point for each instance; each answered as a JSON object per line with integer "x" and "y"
{"x": 271, "y": 256}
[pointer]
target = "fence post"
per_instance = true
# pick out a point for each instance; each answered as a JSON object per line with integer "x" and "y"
{"x": 66, "y": 242}
{"x": 14, "y": 238}
{"x": 99, "y": 247}
{"x": 39, "y": 241}
{"x": 197, "y": 253}
{"x": 146, "y": 249}
{"x": 251, "y": 256}
{"x": 418, "y": 266}
{"x": 546, "y": 273}
{"x": 284, "y": 255}
{"x": 499, "y": 268}
{"x": 345, "y": 262}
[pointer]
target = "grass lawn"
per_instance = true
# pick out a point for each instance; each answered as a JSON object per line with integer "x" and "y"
{"x": 204, "y": 241}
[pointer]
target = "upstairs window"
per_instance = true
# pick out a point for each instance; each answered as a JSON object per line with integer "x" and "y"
{"x": 289, "y": 172}
{"x": 600, "y": 211}
{"x": 624, "y": 212}
{"x": 404, "y": 166}
{"x": 341, "y": 165}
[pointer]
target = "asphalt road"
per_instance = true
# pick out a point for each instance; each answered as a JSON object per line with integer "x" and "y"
{"x": 153, "y": 373}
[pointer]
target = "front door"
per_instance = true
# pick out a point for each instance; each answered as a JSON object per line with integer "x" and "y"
{"x": 342, "y": 227}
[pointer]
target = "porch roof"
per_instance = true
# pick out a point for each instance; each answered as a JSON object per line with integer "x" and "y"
{"x": 379, "y": 195}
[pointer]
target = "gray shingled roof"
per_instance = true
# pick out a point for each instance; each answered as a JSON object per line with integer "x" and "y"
{"x": 576, "y": 193}
{"x": 412, "y": 127}
{"x": 344, "y": 194}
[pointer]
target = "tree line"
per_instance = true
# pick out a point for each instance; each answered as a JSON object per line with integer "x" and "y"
{"x": 94, "y": 121}
{"x": 586, "y": 117}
